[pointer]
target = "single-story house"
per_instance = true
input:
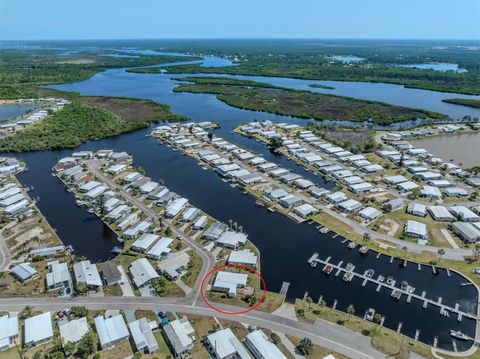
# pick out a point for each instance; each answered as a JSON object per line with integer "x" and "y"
{"x": 349, "y": 206}
{"x": 305, "y": 210}
{"x": 466, "y": 231}
{"x": 142, "y": 272}
{"x": 38, "y": 329}
{"x": 228, "y": 282}
{"x": 416, "y": 229}
{"x": 180, "y": 335}
{"x": 369, "y": 214}
{"x": 111, "y": 330}
{"x": 417, "y": 209}
{"x": 143, "y": 336}
{"x": 244, "y": 256}
{"x": 440, "y": 213}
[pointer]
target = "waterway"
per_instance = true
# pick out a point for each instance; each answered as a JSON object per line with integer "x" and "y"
{"x": 10, "y": 112}
{"x": 463, "y": 149}
{"x": 285, "y": 246}
{"x": 440, "y": 66}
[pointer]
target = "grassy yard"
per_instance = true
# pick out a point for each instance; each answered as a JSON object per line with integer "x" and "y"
{"x": 11, "y": 353}
{"x": 383, "y": 339}
{"x": 112, "y": 291}
{"x": 317, "y": 351}
{"x": 191, "y": 275}
{"x": 119, "y": 350}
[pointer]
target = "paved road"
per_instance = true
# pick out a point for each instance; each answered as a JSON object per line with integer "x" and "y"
{"x": 328, "y": 335}
{"x": 4, "y": 254}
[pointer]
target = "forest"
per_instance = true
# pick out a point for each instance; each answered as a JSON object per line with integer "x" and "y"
{"x": 302, "y": 104}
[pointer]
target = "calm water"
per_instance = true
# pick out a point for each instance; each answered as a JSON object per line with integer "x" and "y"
{"x": 463, "y": 148}
{"x": 285, "y": 246}
{"x": 10, "y": 112}
{"x": 437, "y": 67}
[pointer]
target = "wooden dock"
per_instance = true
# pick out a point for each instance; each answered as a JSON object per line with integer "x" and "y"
{"x": 426, "y": 301}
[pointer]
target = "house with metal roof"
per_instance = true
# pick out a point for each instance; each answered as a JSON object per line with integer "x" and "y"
{"x": 87, "y": 272}
{"x": 143, "y": 336}
{"x": 73, "y": 330}
{"x": 407, "y": 186}
{"x": 369, "y": 214}
{"x": 111, "y": 330}
{"x": 231, "y": 239}
{"x": 336, "y": 197}
{"x": 416, "y": 230}
{"x": 466, "y": 231}
{"x": 142, "y": 272}
{"x": 160, "y": 249}
{"x": 46, "y": 252}
{"x": 394, "y": 205}
{"x": 417, "y": 209}
{"x": 24, "y": 272}
{"x": 262, "y": 347}
{"x": 228, "y": 282}
{"x": 8, "y": 331}
{"x": 180, "y": 334}
{"x": 394, "y": 180}
{"x": 144, "y": 242}
{"x": 58, "y": 275}
{"x": 431, "y": 192}
{"x": 455, "y": 192}
{"x": 176, "y": 207}
{"x": 215, "y": 230}
{"x": 349, "y": 206}
{"x": 200, "y": 223}
{"x": 223, "y": 344}
{"x": 305, "y": 210}
{"x": 244, "y": 256}
{"x": 464, "y": 214}
{"x": 440, "y": 213}
{"x": 137, "y": 229}
{"x": 275, "y": 194}
{"x": 190, "y": 214}
{"x": 174, "y": 264}
{"x": 38, "y": 329}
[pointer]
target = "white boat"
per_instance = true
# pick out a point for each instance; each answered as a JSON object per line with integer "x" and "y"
{"x": 459, "y": 335}
{"x": 370, "y": 314}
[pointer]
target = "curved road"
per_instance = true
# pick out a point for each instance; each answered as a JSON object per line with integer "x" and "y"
{"x": 4, "y": 254}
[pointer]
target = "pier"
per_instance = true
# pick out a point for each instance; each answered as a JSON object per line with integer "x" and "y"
{"x": 284, "y": 289}
{"x": 444, "y": 309}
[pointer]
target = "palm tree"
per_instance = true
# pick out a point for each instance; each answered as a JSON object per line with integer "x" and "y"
{"x": 308, "y": 300}
{"x": 27, "y": 311}
{"x": 366, "y": 237}
{"x": 440, "y": 253}
{"x": 235, "y": 225}
{"x": 240, "y": 229}
{"x": 230, "y": 221}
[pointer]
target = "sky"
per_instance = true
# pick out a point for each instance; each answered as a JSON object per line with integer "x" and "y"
{"x": 157, "y": 19}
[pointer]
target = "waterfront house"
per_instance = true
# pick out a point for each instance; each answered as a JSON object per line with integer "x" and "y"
{"x": 200, "y": 223}
{"x": 89, "y": 186}
{"x": 244, "y": 256}
{"x": 46, "y": 252}
{"x": 111, "y": 331}
{"x": 417, "y": 209}
{"x": 95, "y": 193}
{"x": 223, "y": 344}
{"x": 119, "y": 157}
{"x": 87, "y": 272}
{"x": 305, "y": 210}
{"x": 142, "y": 335}
{"x": 111, "y": 273}
{"x": 228, "y": 282}
{"x": 176, "y": 207}
{"x": 215, "y": 230}
{"x": 137, "y": 229}
{"x": 38, "y": 329}
{"x": 231, "y": 239}
{"x": 142, "y": 272}
{"x": 190, "y": 214}
{"x": 180, "y": 335}
{"x": 24, "y": 272}
{"x": 8, "y": 331}
{"x": 275, "y": 194}
{"x": 58, "y": 276}
{"x": 290, "y": 200}
{"x": 262, "y": 347}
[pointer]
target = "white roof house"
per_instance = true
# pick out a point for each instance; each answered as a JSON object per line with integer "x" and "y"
{"x": 336, "y": 197}
{"x": 229, "y": 282}
{"x": 416, "y": 229}
{"x": 86, "y": 272}
{"x": 143, "y": 336}
{"x": 231, "y": 239}
{"x": 111, "y": 330}
{"x": 58, "y": 275}
{"x": 244, "y": 256}
{"x": 190, "y": 214}
{"x": 38, "y": 329}
{"x": 144, "y": 242}
{"x": 466, "y": 231}
{"x": 464, "y": 214}
{"x": 176, "y": 207}
{"x": 350, "y": 206}
{"x": 180, "y": 334}
{"x": 455, "y": 192}
{"x": 137, "y": 229}
{"x": 142, "y": 272}
{"x": 407, "y": 186}
{"x": 262, "y": 347}
{"x": 305, "y": 210}
{"x": 73, "y": 330}
{"x": 431, "y": 192}
{"x": 160, "y": 249}
{"x": 369, "y": 214}
{"x": 394, "y": 180}
{"x": 223, "y": 344}
{"x": 24, "y": 272}
{"x": 96, "y": 192}
{"x": 417, "y": 209}
{"x": 440, "y": 213}
{"x": 8, "y": 331}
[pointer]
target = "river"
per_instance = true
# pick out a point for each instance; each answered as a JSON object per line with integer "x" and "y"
{"x": 285, "y": 246}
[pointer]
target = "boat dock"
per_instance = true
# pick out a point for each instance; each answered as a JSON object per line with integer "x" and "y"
{"x": 426, "y": 301}
{"x": 284, "y": 289}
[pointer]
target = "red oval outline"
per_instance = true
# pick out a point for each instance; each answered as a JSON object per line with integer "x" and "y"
{"x": 250, "y": 269}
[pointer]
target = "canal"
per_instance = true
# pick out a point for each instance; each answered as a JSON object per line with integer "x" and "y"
{"x": 285, "y": 246}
